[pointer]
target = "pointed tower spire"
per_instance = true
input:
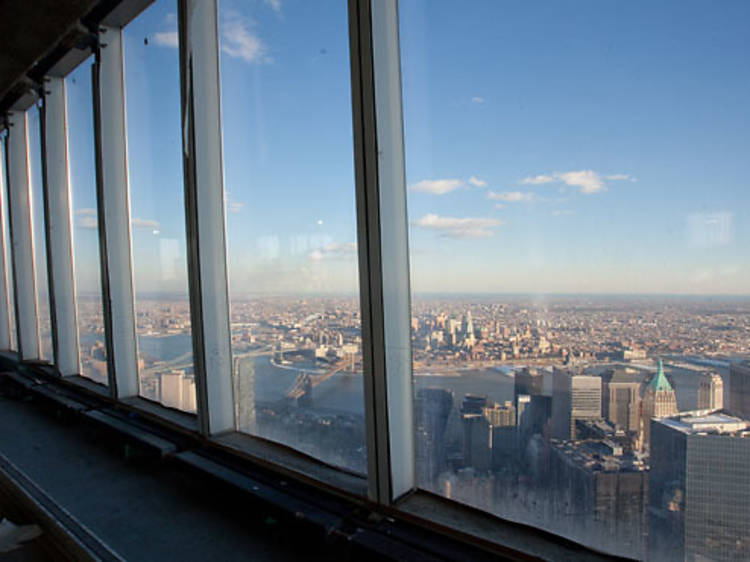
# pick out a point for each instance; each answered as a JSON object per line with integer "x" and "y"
{"x": 660, "y": 382}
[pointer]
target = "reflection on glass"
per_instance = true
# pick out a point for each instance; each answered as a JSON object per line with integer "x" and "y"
{"x": 152, "y": 79}
{"x": 291, "y": 226}
{"x": 6, "y": 236}
{"x": 82, "y": 170}
{"x": 576, "y": 177}
{"x": 39, "y": 239}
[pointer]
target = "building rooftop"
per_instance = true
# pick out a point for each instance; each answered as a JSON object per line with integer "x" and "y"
{"x": 660, "y": 383}
{"x": 707, "y": 421}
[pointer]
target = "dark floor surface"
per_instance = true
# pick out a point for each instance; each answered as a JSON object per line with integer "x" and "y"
{"x": 140, "y": 510}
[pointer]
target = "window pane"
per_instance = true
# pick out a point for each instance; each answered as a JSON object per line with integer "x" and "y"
{"x": 40, "y": 241}
{"x": 576, "y": 175}
{"x": 6, "y": 236}
{"x": 82, "y": 170}
{"x": 291, "y": 226}
{"x": 152, "y": 88}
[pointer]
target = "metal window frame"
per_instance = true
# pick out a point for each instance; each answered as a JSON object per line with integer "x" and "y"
{"x": 22, "y": 240}
{"x": 205, "y": 214}
{"x": 383, "y": 247}
{"x": 58, "y": 222}
{"x": 113, "y": 202}
{"x": 6, "y": 340}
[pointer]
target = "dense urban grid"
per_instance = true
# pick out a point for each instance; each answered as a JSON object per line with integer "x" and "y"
{"x": 621, "y": 422}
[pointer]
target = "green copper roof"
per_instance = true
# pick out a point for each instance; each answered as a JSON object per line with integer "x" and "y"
{"x": 660, "y": 383}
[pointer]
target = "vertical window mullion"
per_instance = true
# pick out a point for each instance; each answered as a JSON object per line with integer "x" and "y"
{"x": 5, "y": 303}
{"x": 22, "y": 245}
{"x": 204, "y": 200}
{"x": 383, "y": 247}
{"x": 114, "y": 215}
{"x": 58, "y": 223}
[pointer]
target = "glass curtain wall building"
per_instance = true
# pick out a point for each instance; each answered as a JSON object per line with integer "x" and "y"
{"x": 486, "y": 251}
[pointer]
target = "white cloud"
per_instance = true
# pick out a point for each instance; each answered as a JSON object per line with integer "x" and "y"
{"x": 454, "y": 227}
{"x": 275, "y": 5}
{"x": 85, "y": 212}
{"x": 477, "y": 99}
{"x": 588, "y": 180}
{"x": 438, "y": 187}
{"x": 562, "y": 213}
{"x": 499, "y": 206}
{"x": 511, "y": 196}
{"x": 537, "y": 180}
{"x": 334, "y": 250}
{"x": 239, "y": 42}
{"x": 476, "y": 182}
{"x": 145, "y": 223}
{"x": 167, "y": 39}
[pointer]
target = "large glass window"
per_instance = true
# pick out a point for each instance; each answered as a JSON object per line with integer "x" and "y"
{"x": 579, "y": 265}
{"x": 82, "y": 170}
{"x": 39, "y": 238}
{"x": 288, "y": 163}
{"x": 152, "y": 88}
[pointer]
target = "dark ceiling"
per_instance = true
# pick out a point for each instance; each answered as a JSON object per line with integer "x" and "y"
{"x": 29, "y": 31}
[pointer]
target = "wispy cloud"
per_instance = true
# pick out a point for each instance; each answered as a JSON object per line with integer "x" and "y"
{"x": 274, "y": 4}
{"x": 588, "y": 181}
{"x": 145, "y": 223}
{"x": 478, "y": 100}
{"x": 476, "y": 182}
{"x": 537, "y": 180}
{"x": 167, "y": 39}
{"x": 334, "y": 250}
{"x": 453, "y": 227}
{"x": 85, "y": 212}
{"x": 511, "y": 196}
{"x": 443, "y": 186}
{"x": 238, "y": 41}
{"x": 562, "y": 213}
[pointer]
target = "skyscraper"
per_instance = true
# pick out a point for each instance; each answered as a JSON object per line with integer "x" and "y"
{"x": 711, "y": 392}
{"x": 621, "y": 398}
{"x": 432, "y": 407}
{"x": 699, "y": 498}
{"x": 739, "y": 388}
{"x": 659, "y": 401}
{"x": 575, "y": 397}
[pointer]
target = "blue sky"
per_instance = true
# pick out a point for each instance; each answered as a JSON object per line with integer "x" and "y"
{"x": 550, "y": 146}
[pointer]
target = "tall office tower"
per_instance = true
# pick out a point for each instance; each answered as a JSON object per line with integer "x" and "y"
{"x": 575, "y": 397}
{"x": 699, "y": 497}
{"x": 711, "y": 392}
{"x": 621, "y": 398}
{"x": 527, "y": 381}
{"x": 739, "y": 388}
{"x": 170, "y": 389}
{"x": 432, "y": 407}
{"x": 243, "y": 379}
{"x": 473, "y": 404}
{"x": 477, "y": 441}
{"x": 659, "y": 401}
{"x": 504, "y": 436}
{"x": 500, "y": 416}
{"x": 599, "y": 494}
